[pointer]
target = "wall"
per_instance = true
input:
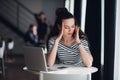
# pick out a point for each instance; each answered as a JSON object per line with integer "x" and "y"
{"x": 20, "y": 17}
{"x": 48, "y": 6}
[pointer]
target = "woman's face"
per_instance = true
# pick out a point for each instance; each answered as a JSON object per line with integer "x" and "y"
{"x": 42, "y": 18}
{"x": 68, "y": 27}
{"x": 34, "y": 29}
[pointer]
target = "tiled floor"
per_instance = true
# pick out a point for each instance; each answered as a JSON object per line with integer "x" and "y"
{"x": 14, "y": 71}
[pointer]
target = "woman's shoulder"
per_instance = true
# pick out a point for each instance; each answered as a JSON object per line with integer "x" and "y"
{"x": 52, "y": 39}
{"x": 84, "y": 41}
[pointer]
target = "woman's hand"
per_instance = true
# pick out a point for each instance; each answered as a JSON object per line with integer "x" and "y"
{"x": 77, "y": 39}
{"x": 60, "y": 35}
{"x": 52, "y": 55}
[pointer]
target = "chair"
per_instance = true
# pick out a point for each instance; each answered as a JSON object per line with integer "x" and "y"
{"x": 10, "y": 46}
{"x": 2, "y": 48}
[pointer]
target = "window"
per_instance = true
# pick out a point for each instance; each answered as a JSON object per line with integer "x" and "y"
{"x": 69, "y": 4}
{"x": 117, "y": 43}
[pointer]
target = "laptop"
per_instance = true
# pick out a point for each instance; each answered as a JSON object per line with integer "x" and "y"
{"x": 35, "y": 60}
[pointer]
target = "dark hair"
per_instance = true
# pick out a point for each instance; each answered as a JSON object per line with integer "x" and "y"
{"x": 55, "y": 30}
{"x": 41, "y": 13}
{"x": 60, "y": 11}
{"x": 31, "y": 27}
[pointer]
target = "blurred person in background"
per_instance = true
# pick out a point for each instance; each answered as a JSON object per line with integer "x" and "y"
{"x": 43, "y": 27}
{"x": 32, "y": 35}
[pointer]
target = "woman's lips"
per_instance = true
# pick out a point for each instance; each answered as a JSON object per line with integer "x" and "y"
{"x": 69, "y": 33}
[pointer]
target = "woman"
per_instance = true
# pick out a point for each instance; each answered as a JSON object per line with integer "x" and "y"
{"x": 31, "y": 35}
{"x": 68, "y": 43}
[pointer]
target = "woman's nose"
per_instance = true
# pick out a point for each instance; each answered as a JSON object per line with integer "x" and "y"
{"x": 69, "y": 29}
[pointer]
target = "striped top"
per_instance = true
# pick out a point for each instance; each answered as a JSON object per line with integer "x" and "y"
{"x": 69, "y": 54}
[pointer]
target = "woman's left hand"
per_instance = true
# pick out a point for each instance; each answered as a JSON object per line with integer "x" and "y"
{"x": 77, "y": 39}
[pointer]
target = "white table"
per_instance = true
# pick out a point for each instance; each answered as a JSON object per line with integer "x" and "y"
{"x": 70, "y": 73}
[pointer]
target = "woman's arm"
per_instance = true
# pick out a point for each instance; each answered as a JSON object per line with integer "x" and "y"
{"x": 85, "y": 54}
{"x": 86, "y": 57}
{"x": 52, "y": 55}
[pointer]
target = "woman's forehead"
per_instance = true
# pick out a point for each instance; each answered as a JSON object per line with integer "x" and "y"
{"x": 69, "y": 21}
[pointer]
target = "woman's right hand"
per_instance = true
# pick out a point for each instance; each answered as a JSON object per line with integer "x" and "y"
{"x": 60, "y": 35}
{"x": 52, "y": 55}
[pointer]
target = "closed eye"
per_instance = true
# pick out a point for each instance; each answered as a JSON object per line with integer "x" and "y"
{"x": 66, "y": 27}
{"x": 73, "y": 26}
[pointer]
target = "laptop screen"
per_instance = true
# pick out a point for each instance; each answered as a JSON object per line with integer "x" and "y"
{"x": 35, "y": 58}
